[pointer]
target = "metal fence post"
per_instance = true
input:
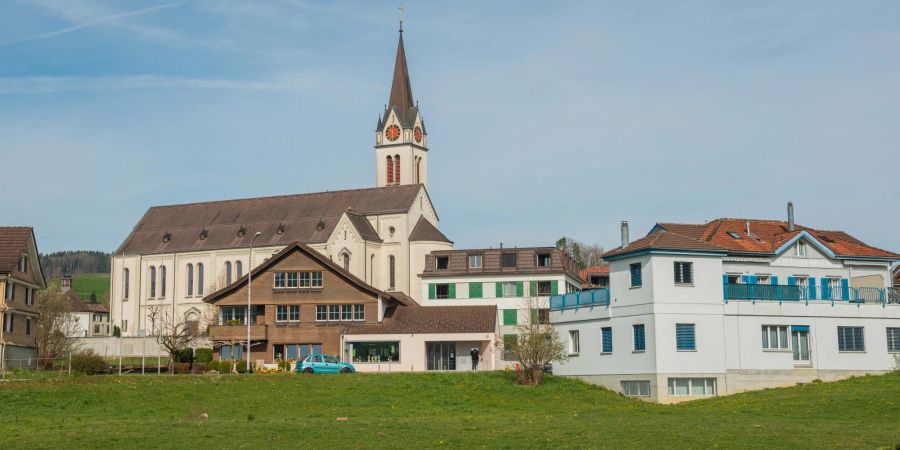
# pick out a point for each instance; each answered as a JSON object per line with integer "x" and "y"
{"x": 70, "y": 363}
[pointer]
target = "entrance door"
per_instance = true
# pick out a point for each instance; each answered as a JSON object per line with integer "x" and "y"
{"x": 441, "y": 355}
{"x": 800, "y": 343}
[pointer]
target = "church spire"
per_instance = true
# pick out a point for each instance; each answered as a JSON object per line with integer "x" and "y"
{"x": 401, "y": 91}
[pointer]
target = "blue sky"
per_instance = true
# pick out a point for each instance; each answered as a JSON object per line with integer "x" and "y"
{"x": 545, "y": 118}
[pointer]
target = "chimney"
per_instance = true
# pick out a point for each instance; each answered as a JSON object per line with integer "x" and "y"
{"x": 624, "y": 233}
{"x": 790, "y": 216}
{"x": 65, "y": 285}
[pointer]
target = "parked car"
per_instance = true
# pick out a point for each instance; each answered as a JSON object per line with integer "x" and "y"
{"x": 324, "y": 364}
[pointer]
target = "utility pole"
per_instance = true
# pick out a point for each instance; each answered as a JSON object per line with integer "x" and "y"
{"x": 250, "y": 295}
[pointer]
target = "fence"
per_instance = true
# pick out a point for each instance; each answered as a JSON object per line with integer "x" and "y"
{"x": 581, "y": 299}
{"x": 778, "y": 292}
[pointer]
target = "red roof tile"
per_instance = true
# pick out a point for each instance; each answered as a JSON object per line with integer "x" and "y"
{"x": 665, "y": 240}
{"x": 13, "y": 241}
{"x": 433, "y": 320}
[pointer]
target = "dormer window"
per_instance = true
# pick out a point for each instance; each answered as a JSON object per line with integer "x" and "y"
{"x": 442, "y": 262}
{"x": 23, "y": 264}
{"x": 800, "y": 249}
{"x": 543, "y": 260}
{"x": 508, "y": 259}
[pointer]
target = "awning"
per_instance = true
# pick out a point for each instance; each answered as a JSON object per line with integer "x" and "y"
{"x": 800, "y": 328}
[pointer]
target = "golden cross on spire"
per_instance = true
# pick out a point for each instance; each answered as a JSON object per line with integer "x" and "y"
{"x": 401, "y": 16}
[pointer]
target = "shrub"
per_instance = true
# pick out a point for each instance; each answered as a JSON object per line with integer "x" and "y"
{"x": 88, "y": 362}
{"x": 185, "y": 355}
{"x": 213, "y": 365}
{"x": 241, "y": 366}
{"x": 203, "y": 355}
{"x": 181, "y": 367}
{"x": 199, "y": 367}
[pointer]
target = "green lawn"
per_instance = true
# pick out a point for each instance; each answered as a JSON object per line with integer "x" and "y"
{"x": 431, "y": 410}
{"x": 84, "y": 284}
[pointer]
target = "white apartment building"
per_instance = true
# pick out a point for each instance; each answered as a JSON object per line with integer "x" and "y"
{"x": 696, "y": 310}
{"x": 518, "y": 281}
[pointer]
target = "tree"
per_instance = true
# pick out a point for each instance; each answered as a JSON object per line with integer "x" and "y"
{"x": 585, "y": 255}
{"x": 175, "y": 334}
{"x": 536, "y": 345}
{"x": 56, "y": 327}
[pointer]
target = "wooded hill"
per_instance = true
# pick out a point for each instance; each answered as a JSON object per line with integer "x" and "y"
{"x": 75, "y": 262}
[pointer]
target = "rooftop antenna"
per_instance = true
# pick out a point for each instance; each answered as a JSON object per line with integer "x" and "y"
{"x": 401, "y": 16}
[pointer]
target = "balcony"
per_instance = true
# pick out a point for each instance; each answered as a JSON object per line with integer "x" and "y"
{"x": 788, "y": 293}
{"x": 582, "y": 299}
{"x": 226, "y": 333}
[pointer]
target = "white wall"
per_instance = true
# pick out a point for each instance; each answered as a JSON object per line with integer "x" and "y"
{"x": 413, "y": 355}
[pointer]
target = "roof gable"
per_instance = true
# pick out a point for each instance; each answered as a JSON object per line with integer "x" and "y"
{"x": 426, "y": 231}
{"x": 663, "y": 240}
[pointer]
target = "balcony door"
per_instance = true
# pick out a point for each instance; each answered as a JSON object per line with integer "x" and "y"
{"x": 800, "y": 344}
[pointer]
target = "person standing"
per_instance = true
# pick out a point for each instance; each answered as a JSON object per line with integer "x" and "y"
{"x": 474, "y": 354}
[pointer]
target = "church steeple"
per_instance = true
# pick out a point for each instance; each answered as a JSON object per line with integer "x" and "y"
{"x": 401, "y": 144}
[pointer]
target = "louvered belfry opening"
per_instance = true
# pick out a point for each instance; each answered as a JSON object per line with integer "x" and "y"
{"x": 390, "y": 170}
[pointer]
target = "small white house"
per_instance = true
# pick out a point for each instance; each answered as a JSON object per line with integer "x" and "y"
{"x": 732, "y": 305}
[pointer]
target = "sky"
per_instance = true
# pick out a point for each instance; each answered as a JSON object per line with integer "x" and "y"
{"x": 545, "y": 119}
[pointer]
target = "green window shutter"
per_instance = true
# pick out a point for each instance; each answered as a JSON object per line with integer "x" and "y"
{"x": 510, "y": 317}
{"x": 520, "y": 289}
{"x": 431, "y": 291}
{"x": 475, "y": 290}
{"x": 532, "y": 289}
{"x": 554, "y": 287}
{"x": 499, "y": 286}
{"x": 534, "y": 315}
{"x": 452, "y": 289}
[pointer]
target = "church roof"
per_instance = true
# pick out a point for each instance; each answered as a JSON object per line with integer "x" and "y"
{"x": 401, "y": 99}
{"x": 363, "y": 226}
{"x": 308, "y": 218}
{"x": 426, "y": 231}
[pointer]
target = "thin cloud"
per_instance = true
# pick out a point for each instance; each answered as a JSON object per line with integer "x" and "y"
{"x": 91, "y": 23}
{"x": 45, "y": 85}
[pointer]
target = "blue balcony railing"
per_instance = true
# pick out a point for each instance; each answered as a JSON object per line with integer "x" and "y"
{"x": 790, "y": 293}
{"x": 582, "y": 299}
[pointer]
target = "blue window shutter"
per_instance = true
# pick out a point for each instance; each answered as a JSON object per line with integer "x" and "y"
{"x": 684, "y": 336}
{"x": 812, "y": 287}
{"x": 774, "y": 280}
{"x": 792, "y": 281}
{"x": 845, "y": 289}
{"x": 607, "y": 339}
{"x": 225, "y": 353}
{"x": 826, "y": 292}
{"x": 238, "y": 352}
{"x": 745, "y": 279}
{"x": 725, "y": 279}
{"x": 752, "y": 279}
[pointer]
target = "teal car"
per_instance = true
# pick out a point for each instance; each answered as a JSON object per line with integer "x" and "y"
{"x": 324, "y": 364}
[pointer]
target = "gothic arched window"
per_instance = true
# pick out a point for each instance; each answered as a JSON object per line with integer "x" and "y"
{"x": 419, "y": 170}
{"x": 126, "y": 284}
{"x": 227, "y": 272}
{"x": 190, "y": 280}
{"x": 199, "y": 278}
{"x": 397, "y": 169}
{"x": 346, "y": 260}
{"x": 239, "y": 268}
{"x": 390, "y": 170}
{"x": 393, "y": 273}
{"x": 162, "y": 281}
{"x": 152, "y": 282}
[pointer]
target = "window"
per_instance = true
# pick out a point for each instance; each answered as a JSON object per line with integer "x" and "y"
{"x": 347, "y": 312}
{"x": 509, "y": 288}
{"x": 334, "y": 312}
{"x": 635, "y": 270}
{"x": 474, "y": 261}
{"x": 162, "y": 281}
{"x": 295, "y": 313}
{"x": 373, "y": 352}
{"x": 684, "y": 337}
{"x": 190, "y": 279}
{"x": 305, "y": 279}
{"x": 29, "y": 296}
{"x": 390, "y": 170}
{"x": 441, "y": 262}
{"x": 291, "y": 280}
{"x": 606, "y": 334}
{"x": 893, "y": 340}
{"x": 392, "y": 272}
{"x": 734, "y": 235}
{"x": 279, "y": 280}
{"x": 544, "y": 288}
{"x": 544, "y": 316}
{"x": 227, "y": 272}
{"x": 238, "y": 314}
{"x": 23, "y": 264}
{"x": 510, "y": 317}
{"x": 636, "y": 388}
{"x": 694, "y": 387}
{"x": 510, "y": 342}
{"x": 851, "y": 339}
{"x": 239, "y": 268}
{"x": 574, "y": 342}
{"x": 359, "y": 312}
{"x": 800, "y": 249}
{"x": 640, "y": 342}
{"x": 508, "y": 259}
{"x": 200, "y": 279}
{"x": 321, "y": 313}
{"x": 397, "y": 169}
{"x": 763, "y": 279}
{"x": 126, "y": 286}
{"x": 442, "y": 291}
{"x": 152, "y": 282}
{"x": 684, "y": 273}
{"x": 543, "y": 260}
{"x": 316, "y": 279}
{"x": 28, "y": 326}
{"x": 775, "y": 337}
{"x": 733, "y": 278}
{"x": 281, "y": 313}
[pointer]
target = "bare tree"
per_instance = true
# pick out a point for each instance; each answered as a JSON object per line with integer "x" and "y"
{"x": 175, "y": 334}
{"x": 536, "y": 345}
{"x": 56, "y": 327}
{"x": 585, "y": 255}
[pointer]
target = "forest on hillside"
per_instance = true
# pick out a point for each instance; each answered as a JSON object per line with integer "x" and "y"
{"x": 74, "y": 262}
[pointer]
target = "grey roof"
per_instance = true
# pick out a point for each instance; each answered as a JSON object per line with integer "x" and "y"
{"x": 433, "y": 320}
{"x": 426, "y": 231}
{"x": 363, "y": 226}
{"x": 281, "y": 220}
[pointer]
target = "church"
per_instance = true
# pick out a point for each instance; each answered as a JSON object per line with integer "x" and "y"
{"x": 178, "y": 254}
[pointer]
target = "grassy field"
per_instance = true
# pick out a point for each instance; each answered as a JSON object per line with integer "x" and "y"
{"x": 84, "y": 284}
{"x": 484, "y": 410}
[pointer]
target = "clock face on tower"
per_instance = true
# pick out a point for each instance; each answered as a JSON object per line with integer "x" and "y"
{"x": 392, "y": 133}
{"x": 418, "y": 134}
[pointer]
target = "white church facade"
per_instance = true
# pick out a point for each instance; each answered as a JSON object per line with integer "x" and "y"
{"x": 177, "y": 254}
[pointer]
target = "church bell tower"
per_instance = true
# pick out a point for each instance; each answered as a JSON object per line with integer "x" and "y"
{"x": 401, "y": 143}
